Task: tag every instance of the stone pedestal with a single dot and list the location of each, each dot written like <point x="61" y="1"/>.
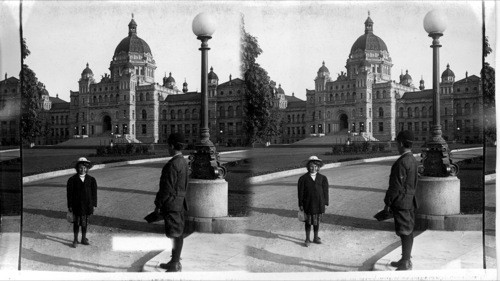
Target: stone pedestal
<point x="207" y="198"/>
<point x="438" y="196"/>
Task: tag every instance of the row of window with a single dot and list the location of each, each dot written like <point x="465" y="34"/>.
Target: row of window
<point x="296" y="131"/>
<point x="63" y="120"/>
<point x="417" y="112"/>
<point x="193" y="114"/>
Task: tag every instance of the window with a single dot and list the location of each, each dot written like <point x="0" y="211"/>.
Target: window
<point x="164" y="114"/>
<point x="380" y="126"/>
<point x="144" y="129"/>
<point x="172" y="115"/>
<point x="409" y="112"/>
<point x="381" y="112"/>
<point x="401" y="112"/>
<point x="230" y="111"/>
<point x="424" y="112"/>
<point x="417" y="112"/>
<point x="410" y="126"/>
<point x="144" y="114"/>
<point x="179" y="114"/>
<point x="417" y="126"/>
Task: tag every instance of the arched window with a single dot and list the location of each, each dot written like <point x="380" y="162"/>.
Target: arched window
<point x="238" y="111"/>
<point x="331" y="97"/>
<point x="342" y="96"/>
<point x="467" y="109"/>
<point x="378" y="95"/>
<point x="144" y="114"/>
<point x="95" y="99"/>
<point x="401" y="112"/>
<point x="230" y="111"/>
<point x="221" y="111"/>
<point x="424" y="111"/>
<point x="187" y="116"/>
<point x="475" y="108"/>
<point x="336" y="96"/>
<point x="195" y="114"/>
<point x="417" y="112"/>
<point x="289" y="119"/>
<point x="384" y="94"/>
<point x="409" y="113"/>
<point x="354" y="95"/>
<point x="164" y="114"/>
<point x="100" y="99"/>
<point x="172" y="114"/>
<point x="381" y="112"/>
<point x="179" y="114"/>
<point x="303" y="117"/>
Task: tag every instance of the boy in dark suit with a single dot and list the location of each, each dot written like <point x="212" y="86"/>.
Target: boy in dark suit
<point x="400" y="197"/>
<point x="82" y="198"/>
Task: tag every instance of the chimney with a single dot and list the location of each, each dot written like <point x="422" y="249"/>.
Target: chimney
<point x="230" y="77"/>
<point x="57" y="95"/>
<point x="466" y="75"/>
<point x="5" y="75"/>
<point x="293" y="94"/>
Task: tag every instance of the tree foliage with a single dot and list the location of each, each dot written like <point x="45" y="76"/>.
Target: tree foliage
<point x="260" y="121"/>
<point x="32" y="120"/>
<point x="488" y="79"/>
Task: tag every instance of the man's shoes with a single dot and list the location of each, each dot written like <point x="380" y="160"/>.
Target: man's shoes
<point x="317" y="240"/>
<point x="85" y="241"/>
<point x="174" y="266"/>
<point x="405" y="265"/>
<point x="74" y="244"/>
<point x="396" y="263"/>
<point x="307" y="243"/>
<point x="166" y="265"/>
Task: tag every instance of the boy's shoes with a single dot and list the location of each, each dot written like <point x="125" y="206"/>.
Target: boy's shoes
<point x="174" y="266"/>
<point x="317" y="240"/>
<point x="405" y="265"/>
<point x="307" y="243"/>
<point x="85" y="241"/>
<point x="396" y="263"/>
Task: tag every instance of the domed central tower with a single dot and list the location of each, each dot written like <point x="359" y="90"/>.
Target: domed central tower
<point x="369" y="53"/>
<point x="133" y="51"/>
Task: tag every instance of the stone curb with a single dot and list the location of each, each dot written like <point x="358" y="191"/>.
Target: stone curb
<point x="54" y="174"/>
<point x="490" y="177"/>
<point x="65" y="172"/>
<point x="282" y="174"/>
<point x="466" y="222"/>
<point x="10" y="150"/>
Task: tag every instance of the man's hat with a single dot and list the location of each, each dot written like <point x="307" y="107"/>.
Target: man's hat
<point x="405" y="136"/>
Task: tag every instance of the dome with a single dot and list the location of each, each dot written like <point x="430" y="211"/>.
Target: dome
<point x="323" y="68"/>
<point x="170" y="79"/>
<point x="280" y="90"/>
<point x="369" y="41"/>
<point x="447" y="72"/>
<point x="407" y="76"/>
<point x="212" y="75"/>
<point x="132" y="43"/>
<point x="87" y="70"/>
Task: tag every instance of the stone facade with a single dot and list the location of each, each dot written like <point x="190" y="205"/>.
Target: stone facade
<point x="365" y="100"/>
<point x="10" y="110"/>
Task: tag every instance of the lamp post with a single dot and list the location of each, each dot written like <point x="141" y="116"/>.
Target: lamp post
<point x="205" y="163"/>
<point x="436" y="154"/>
<point x="438" y="188"/>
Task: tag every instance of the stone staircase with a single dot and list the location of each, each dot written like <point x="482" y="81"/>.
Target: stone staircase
<point x="335" y="138"/>
<point x="99" y="140"/>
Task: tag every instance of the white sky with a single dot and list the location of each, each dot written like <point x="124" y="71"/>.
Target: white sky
<point x="296" y="37"/>
<point x="64" y="35"/>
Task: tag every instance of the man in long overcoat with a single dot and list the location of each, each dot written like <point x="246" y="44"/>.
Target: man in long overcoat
<point x="171" y="201"/>
<point x="81" y="198"/>
<point x="400" y="197"/>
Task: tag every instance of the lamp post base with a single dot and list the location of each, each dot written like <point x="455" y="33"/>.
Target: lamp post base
<point x="205" y="162"/>
<point x="438" y="195"/>
<point x="436" y="159"/>
<point x="207" y="198"/>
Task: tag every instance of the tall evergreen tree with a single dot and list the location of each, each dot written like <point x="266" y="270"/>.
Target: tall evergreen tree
<point x="488" y="79"/>
<point x="31" y="92"/>
<point x="260" y="122"/>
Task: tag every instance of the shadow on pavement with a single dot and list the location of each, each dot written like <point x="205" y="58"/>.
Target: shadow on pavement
<point x="358" y="188"/>
<point x="36" y="235"/>
<point x="58" y="261"/>
<point x="270" y="235"/>
<point x="334" y="219"/>
<point x="138" y="264"/>
<point x="103" y="221"/>
<point x="370" y="263"/>
<point x="265" y="255"/>
<point x="101" y="188"/>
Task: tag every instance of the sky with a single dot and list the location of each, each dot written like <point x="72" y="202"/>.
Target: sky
<point x="296" y="37"/>
<point x="64" y="35"/>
